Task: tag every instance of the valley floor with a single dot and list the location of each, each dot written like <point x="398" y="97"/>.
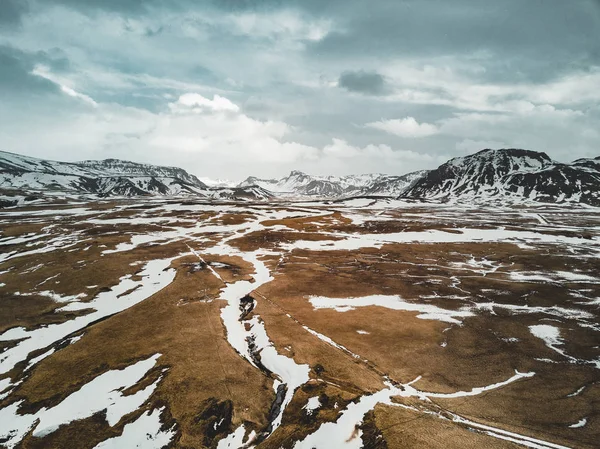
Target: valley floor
<point x="364" y="323"/>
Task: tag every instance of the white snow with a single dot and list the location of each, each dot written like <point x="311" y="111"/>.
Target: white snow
<point x="54" y="296"/>
<point x="577" y="392"/>
<point x="344" y="433"/>
<point x="582" y="422"/>
<point x="4" y="384"/>
<point x="312" y="405"/>
<point x="556" y="276"/>
<point x="143" y="433"/>
<point x="557" y="311"/>
<point x="290" y="373"/>
<point x="154" y="277"/>
<point x="458" y="235"/>
<point x="550" y="335"/>
<point x="39" y="358"/>
<point x="478" y="390"/>
<point x="329" y="341"/>
<point x="426" y="311"/>
<point x="104" y="392"/>
<point x="235" y="440"/>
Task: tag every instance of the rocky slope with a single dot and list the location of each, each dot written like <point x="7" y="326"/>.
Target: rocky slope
<point x="510" y="175"/>
<point x="393" y="185"/>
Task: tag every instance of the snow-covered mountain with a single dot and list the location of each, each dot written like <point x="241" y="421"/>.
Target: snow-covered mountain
<point x="510" y="175"/>
<point x="248" y="193"/>
<point x="506" y="175"/>
<point x="298" y="183"/>
<point x="210" y="182"/>
<point x="388" y="185"/>
<point x="24" y="177"/>
<point x="108" y="177"/>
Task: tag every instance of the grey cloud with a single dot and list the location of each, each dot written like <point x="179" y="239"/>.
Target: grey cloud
<point x="11" y="12"/>
<point x="122" y="6"/>
<point x="15" y="73"/>
<point x="536" y="37"/>
<point x="245" y="5"/>
<point x="54" y="58"/>
<point x="154" y="32"/>
<point x="370" y="83"/>
<point x="143" y="54"/>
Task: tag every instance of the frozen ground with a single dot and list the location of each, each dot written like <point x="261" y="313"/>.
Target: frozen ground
<point x="339" y="315"/>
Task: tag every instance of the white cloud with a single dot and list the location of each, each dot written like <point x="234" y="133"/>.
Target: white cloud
<point x="339" y="148"/>
<point x="406" y="127"/>
<point x="449" y="82"/>
<point x="218" y="130"/>
<point x="469" y="146"/>
<point x="196" y="103"/>
<point x="562" y="133"/>
<point x="193" y="131"/>
<point x="43" y="72"/>
<point x="288" y="24"/>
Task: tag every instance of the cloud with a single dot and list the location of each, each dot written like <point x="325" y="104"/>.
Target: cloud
<point x="340" y="157"/>
<point x="468" y="74"/>
<point x="200" y="133"/>
<point x="369" y="83"/>
<point x="277" y="24"/>
<point x="196" y="103"/>
<point x="43" y="72"/>
<point x="564" y="134"/>
<point x="514" y="32"/>
<point x="406" y="127"/>
<point x="16" y="78"/>
<point x="11" y="12"/>
<point x="339" y="148"/>
<point x="118" y="6"/>
<point x="469" y="146"/>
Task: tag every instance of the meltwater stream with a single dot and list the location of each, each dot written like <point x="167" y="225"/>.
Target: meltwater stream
<point x="250" y="339"/>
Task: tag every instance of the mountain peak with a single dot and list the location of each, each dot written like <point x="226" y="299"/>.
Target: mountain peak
<point x="109" y="177"/>
<point x="513" y="152"/>
<point x="510" y="173"/>
<point x="297" y="173"/>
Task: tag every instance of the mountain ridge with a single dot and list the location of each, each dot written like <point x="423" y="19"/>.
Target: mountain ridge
<point x="501" y="175"/>
<point x="510" y="174"/>
<point x="106" y="178"/>
<point x="300" y="183"/>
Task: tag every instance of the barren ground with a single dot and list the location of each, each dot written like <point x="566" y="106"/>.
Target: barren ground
<point x="363" y="323"/>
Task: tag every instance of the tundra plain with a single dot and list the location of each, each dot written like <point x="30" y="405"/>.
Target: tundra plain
<point x="361" y="323"/>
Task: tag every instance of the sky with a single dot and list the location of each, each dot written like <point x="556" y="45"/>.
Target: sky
<point x="232" y="88"/>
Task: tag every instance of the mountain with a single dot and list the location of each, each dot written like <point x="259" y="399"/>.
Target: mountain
<point x="28" y="179"/>
<point x="510" y="175"/>
<point x="505" y="175"/>
<point x="109" y="177"/>
<point x="217" y="182"/>
<point x="298" y="183"/>
<point x="240" y="193"/>
<point x="388" y="185"/>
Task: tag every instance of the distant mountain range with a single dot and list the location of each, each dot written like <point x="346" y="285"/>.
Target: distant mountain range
<point x="505" y="175"/>
<point x="23" y="176"/>
<point x="301" y="184"/>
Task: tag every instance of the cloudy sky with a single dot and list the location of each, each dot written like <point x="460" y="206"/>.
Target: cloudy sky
<point x="229" y="88"/>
